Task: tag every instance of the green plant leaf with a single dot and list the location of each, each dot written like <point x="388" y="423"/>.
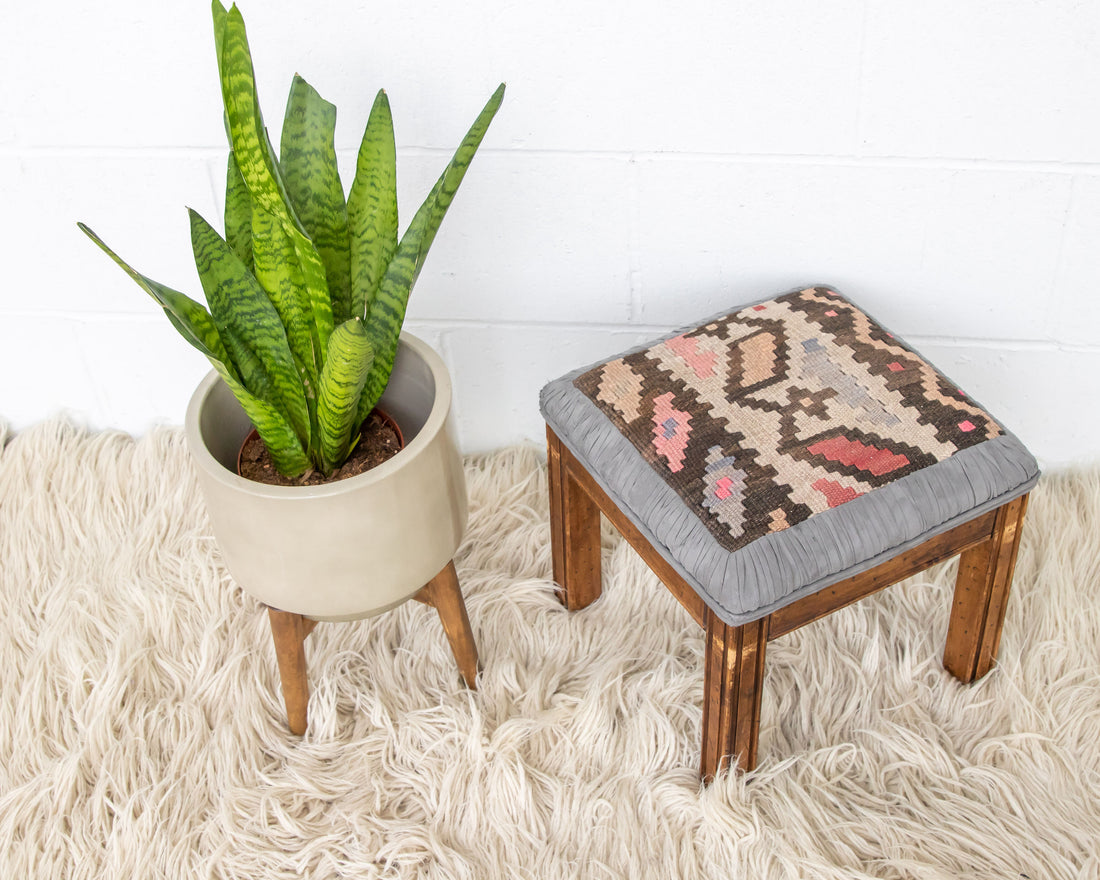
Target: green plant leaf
<point x="190" y="319"/>
<point x="238" y="303"/>
<point x="238" y="213"/>
<point x="247" y="134"/>
<point x="372" y="207"/>
<point x="350" y="355"/>
<point x="387" y="312"/>
<point x="308" y="163"/>
<point x="278" y="435"/>
<point x="219" y="15"/>
<point x="275" y="264"/>
<point x="249" y="367"/>
<point x="259" y="168"/>
<point x="196" y="326"/>
<point x="448" y="182"/>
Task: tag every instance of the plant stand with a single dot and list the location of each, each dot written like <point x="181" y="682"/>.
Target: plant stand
<point x="289" y="631"/>
<point x="301" y="550"/>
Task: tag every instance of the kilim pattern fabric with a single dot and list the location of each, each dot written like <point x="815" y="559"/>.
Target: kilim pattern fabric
<point x="770" y="415"/>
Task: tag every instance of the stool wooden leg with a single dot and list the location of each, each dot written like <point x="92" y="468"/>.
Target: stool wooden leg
<point x="574" y="530"/>
<point x="289" y="632"/>
<point x="981" y="595"/>
<point x="733" y="683"/>
<point x="444" y="593"/>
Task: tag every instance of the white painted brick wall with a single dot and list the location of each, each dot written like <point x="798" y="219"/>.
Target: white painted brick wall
<point x="653" y="163"/>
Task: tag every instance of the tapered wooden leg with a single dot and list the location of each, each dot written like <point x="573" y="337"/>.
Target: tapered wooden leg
<point x="289" y="631"/>
<point x="981" y="596"/>
<point x="574" y="531"/>
<point x="445" y="594"/>
<point x="733" y="683"/>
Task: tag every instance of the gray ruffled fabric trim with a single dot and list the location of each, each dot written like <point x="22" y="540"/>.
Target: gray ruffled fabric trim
<point x="775" y="570"/>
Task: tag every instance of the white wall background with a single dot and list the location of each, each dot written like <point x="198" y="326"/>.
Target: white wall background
<point x="653" y="163"/>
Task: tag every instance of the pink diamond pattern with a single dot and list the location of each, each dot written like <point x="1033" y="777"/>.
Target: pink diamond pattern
<point x="701" y="362"/>
<point x="671" y="430"/>
<point x="855" y="454"/>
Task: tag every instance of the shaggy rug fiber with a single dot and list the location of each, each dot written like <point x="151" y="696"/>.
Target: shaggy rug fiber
<point x="142" y="731"/>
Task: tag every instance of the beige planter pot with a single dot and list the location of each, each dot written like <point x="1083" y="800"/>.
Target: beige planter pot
<point x="349" y="549"/>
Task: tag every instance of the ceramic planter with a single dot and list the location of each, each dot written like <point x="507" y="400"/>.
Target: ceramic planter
<point x="347" y="549"/>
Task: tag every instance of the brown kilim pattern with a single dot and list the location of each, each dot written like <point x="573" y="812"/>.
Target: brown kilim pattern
<point x="783" y="410"/>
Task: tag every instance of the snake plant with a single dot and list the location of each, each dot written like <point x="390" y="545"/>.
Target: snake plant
<point x="306" y="291"/>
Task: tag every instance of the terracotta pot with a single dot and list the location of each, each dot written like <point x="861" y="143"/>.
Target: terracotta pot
<point x="352" y="548"/>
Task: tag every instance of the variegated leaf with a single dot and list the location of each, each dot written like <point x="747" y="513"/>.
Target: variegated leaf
<point x="238" y="213"/>
<point x="372" y="207"/>
<point x="387" y="311"/>
<point x="349" y="360"/>
<point x="198" y="328"/>
<point x="249" y="367"/>
<point x="190" y="319"/>
<point x="279" y="436"/>
<point x="238" y="302"/>
<point x="259" y="168"/>
<point x="275" y="264"/>
<point x="308" y="163"/>
<point x="448" y="183"/>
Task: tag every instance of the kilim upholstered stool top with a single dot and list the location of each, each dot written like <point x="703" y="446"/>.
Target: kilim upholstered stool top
<point x="777" y="463"/>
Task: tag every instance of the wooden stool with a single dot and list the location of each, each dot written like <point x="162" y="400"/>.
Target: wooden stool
<point x="289" y="631"/>
<point x="773" y="465"/>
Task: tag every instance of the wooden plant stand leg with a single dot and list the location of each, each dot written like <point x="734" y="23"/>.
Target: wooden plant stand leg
<point x="732" y="686"/>
<point x="289" y="630"/>
<point x="574" y="530"/>
<point x="981" y="595"/>
<point x="445" y="595"/>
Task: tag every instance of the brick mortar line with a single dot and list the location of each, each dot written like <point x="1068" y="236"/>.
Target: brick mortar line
<point x="1048" y="166"/>
<point x="443" y="324"/>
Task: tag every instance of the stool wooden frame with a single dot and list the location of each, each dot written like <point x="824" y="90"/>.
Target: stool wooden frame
<point x="734" y="659"/>
<point x="289" y="631"/>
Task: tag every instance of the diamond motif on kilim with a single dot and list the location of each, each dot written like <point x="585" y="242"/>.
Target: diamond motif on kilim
<point x="855" y="454"/>
<point x="702" y="362"/>
<point x="783" y="410"/>
<point x="621" y="388"/>
<point x="725" y="490"/>
<point x="671" y="430"/>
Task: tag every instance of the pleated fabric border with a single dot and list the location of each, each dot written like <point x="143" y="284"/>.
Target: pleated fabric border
<point x="775" y="570"/>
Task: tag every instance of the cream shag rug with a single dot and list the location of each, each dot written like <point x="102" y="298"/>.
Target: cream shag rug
<point x="142" y="731"/>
